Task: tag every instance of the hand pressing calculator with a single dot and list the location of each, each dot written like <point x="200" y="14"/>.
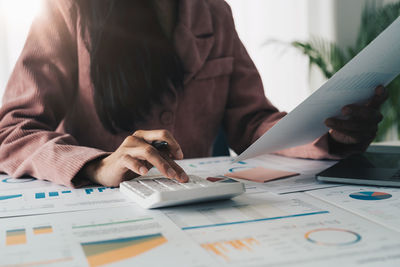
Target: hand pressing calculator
<point x="158" y="191"/>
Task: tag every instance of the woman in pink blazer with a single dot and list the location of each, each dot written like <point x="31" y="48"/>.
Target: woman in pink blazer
<point x="98" y="81"/>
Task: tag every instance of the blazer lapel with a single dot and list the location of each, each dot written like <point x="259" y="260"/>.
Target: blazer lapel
<point x="193" y="35"/>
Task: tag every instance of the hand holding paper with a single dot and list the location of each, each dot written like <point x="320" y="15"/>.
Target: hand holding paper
<point x="359" y="126"/>
<point x="377" y="64"/>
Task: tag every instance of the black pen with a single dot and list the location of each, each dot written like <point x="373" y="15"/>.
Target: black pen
<point x="160" y="145"/>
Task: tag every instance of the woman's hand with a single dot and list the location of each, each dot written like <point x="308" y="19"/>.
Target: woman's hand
<point x="135" y="157"/>
<point x="360" y="126"/>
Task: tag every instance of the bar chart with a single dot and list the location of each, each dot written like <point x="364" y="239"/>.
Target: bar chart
<point x="224" y="248"/>
<point x="15" y="237"/>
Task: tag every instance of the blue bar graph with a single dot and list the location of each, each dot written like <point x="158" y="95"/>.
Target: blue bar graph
<point x="98" y="189"/>
<point x="89" y="191"/>
<point x="53" y="194"/>
<point x="40" y="195"/>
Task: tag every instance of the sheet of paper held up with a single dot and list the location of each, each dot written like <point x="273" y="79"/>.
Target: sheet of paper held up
<point x="377" y="64"/>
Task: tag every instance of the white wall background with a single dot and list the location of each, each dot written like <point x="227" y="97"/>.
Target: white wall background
<point x="15" y="19"/>
<point x="284" y="71"/>
<point x="286" y="76"/>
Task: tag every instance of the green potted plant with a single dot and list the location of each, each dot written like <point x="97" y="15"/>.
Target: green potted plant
<point x="329" y="58"/>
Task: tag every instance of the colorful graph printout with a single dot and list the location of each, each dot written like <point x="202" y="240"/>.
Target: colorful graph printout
<point x="332" y="237"/>
<point x="109" y="251"/>
<point x="43" y="230"/>
<point x="15" y="237"/>
<point x="368" y="195"/>
<point x="223" y="248"/>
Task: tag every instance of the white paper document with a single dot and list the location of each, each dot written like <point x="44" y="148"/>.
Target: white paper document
<point x="377" y="64"/>
<point x="242" y="209"/>
<point x="379" y="204"/>
<point x="286" y="230"/>
<point x="56" y="198"/>
<point x="124" y="236"/>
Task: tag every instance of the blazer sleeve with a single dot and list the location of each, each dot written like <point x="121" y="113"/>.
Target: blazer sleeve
<point x="249" y="114"/>
<point x="41" y="88"/>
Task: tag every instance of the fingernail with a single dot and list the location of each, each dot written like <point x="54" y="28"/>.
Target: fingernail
<point x="184" y="177"/>
<point x="171" y="173"/>
<point x="179" y="154"/>
<point x="143" y="170"/>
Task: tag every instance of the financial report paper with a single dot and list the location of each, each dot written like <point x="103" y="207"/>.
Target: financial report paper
<point x="286" y="230"/>
<point x="96" y="226"/>
<point x="378" y="204"/>
<point x="123" y="236"/>
<point x="262" y="229"/>
<point x="55" y="198"/>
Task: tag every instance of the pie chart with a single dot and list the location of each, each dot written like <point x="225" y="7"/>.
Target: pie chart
<point x="17" y="181"/>
<point x="332" y="237"/>
<point x="370" y="195"/>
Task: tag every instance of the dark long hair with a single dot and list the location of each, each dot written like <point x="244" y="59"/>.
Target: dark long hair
<point x="133" y="62"/>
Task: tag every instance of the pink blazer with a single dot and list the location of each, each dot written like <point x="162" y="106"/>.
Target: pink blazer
<point x="48" y="125"/>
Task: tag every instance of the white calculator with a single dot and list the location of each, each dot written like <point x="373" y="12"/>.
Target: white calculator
<point x="159" y="191"/>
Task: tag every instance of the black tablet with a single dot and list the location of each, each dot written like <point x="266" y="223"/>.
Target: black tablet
<point x="381" y="169"/>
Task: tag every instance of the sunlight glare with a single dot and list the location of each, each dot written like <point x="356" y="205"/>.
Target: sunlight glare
<point x="20" y="11"/>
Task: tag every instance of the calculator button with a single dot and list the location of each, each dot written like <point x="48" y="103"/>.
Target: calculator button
<point x="199" y="181"/>
<point x="171" y="184"/>
<point x="140" y="189"/>
<point x="190" y="185"/>
<point x="150" y="183"/>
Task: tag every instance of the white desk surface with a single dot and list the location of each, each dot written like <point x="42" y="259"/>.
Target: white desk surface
<point x="290" y="222"/>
